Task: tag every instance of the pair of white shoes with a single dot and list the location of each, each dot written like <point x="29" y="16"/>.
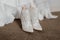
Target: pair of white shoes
<point x="30" y="28"/>
<point x="30" y="21"/>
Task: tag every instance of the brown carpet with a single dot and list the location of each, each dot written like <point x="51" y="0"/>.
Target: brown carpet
<point x="51" y="31"/>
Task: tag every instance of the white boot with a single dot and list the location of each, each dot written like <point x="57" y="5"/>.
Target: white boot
<point x="26" y="21"/>
<point x="35" y="19"/>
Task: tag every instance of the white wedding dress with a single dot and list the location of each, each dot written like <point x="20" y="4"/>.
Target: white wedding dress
<point x="6" y="10"/>
<point x="25" y="10"/>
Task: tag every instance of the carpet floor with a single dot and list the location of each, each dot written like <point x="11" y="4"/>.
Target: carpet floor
<point x="51" y="30"/>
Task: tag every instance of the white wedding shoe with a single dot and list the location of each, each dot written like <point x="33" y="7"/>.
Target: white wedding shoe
<point x="35" y="19"/>
<point x="26" y="21"/>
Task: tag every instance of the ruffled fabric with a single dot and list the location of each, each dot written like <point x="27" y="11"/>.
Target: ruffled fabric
<point x="6" y="12"/>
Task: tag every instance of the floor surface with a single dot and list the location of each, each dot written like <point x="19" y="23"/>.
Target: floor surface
<point x="51" y="31"/>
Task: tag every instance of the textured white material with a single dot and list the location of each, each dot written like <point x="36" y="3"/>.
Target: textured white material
<point x="26" y="10"/>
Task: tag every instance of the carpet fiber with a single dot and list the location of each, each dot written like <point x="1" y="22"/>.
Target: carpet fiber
<point x="51" y="31"/>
